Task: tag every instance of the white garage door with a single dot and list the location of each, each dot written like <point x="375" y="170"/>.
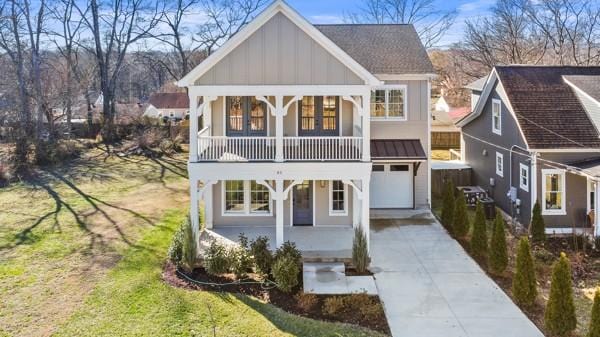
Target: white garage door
<point x="391" y="186"/>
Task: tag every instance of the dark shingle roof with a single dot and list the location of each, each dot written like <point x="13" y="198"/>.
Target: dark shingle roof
<point x="547" y="108"/>
<point x="381" y="48"/>
<point x="170" y="100"/>
<point x="397" y="149"/>
<point x="589" y="84"/>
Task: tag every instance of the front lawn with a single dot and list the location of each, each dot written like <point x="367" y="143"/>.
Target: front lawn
<point x="134" y="301"/>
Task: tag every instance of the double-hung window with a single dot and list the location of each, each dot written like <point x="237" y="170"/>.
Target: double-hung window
<point x="500" y="164"/>
<point x="553" y="192"/>
<point x="496" y="117"/>
<point x="524" y="177"/>
<point x="389" y="102"/>
<point x="242" y="197"/>
<point x="338" y="198"/>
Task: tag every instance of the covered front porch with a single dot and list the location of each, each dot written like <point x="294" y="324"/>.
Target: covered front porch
<point x="318" y="243"/>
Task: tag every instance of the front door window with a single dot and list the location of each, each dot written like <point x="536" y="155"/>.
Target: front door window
<point x="318" y="116"/>
<point x="246" y="116"/>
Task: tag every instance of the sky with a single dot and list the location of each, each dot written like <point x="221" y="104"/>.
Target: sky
<point x="332" y="11"/>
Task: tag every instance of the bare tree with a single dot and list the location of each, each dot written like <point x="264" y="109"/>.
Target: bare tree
<point x="189" y="43"/>
<point x="430" y="21"/>
<point x="11" y="43"/>
<point x="115" y="26"/>
<point x="508" y="36"/>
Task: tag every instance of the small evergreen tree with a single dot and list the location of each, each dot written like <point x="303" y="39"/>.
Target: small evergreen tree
<point x="448" y="204"/>
<point x="498" y="255"/>
<point x="538" y="227"/>
<point x="360" y="253"/>
<point x="479" y="240"/>
<point x="524" y="285"/>
<point x="460" y="224"/>
<point x="559" y="317"/>
<point x="594" y="330"/>
<point x="189" y="248"/>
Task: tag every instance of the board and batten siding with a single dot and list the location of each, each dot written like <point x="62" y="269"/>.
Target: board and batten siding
<point x="484" y="165"/>
<point x="279" y="53"/>
<point x="415" y="127"/>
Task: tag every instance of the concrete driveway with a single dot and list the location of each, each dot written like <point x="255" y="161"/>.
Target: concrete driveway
<point x="430" y="287"/>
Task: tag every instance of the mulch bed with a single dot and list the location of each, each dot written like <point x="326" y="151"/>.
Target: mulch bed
<point x="286" y="301"/>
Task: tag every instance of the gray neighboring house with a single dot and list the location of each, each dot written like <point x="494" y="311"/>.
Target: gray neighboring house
<point x="533" y="135"/>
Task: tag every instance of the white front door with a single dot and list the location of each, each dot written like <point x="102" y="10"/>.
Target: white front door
<point x="391" y="186"/>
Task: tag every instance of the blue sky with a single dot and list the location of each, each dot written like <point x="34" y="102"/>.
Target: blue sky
<point x="332" y="11"/>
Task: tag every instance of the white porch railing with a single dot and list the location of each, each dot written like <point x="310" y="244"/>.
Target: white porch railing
<point x="218" y="148"/>
<point x="322" y="148"/>
<point x="236" y="148"/>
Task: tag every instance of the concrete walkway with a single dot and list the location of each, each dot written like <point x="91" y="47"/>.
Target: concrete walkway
<point x="430" y="287"/>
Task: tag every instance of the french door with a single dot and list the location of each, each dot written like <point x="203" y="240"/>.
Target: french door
<point x="246" y="116"/>
<point x="318" y="116"/>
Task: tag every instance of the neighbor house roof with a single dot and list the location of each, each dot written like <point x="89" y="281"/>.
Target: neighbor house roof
<point x="170" y="100"/>
<point x="477" y="85"/>
<point x="381" y="48"/>
<point x="397" y="149"/>
<point x="589" y="84"/>
<point x="547" y="108"/>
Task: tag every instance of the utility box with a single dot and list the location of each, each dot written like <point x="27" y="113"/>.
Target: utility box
<point x="489" y="207"/>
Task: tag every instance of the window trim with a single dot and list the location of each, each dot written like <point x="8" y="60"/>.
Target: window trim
<point x="500" y="172"/>
<point x="562" y="210"/>
<point x="498" y="130"/>
<point x="247" y="198"/>
<point x="331" y="211"/>
<point x="521" y="185"/>
<point x="387" y="89"/>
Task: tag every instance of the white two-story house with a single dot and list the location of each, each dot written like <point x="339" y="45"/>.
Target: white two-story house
<point x="295" y="124"/>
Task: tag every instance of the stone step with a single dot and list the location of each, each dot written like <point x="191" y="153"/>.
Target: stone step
<point x="336" y="267"/>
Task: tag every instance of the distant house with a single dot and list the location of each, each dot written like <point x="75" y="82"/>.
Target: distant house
<point x="444" y="132"/>
<point x="534" y="136"/>
<point x="172" y="105"/>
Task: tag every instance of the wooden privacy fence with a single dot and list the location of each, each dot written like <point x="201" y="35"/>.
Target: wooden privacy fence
<point x="460" y="177"/>
<point x="445" y="140"/>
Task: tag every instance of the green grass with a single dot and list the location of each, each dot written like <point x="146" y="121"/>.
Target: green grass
<point x="71" y="256"/>
<point x="134" y="301"/>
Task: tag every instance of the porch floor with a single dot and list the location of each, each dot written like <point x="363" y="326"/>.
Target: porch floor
<point x="318" y="243"/>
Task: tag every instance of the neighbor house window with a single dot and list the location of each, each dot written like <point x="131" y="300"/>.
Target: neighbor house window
<point x="242" y="197"/>
<point x="524" y="177"/>
<point x="500" y="164"/>
<point x="389" y="102"/>
<point x="496" y="117"/>
<point x="553" y="192"/>
<point x="337" y="198"/>
<point x="234" y="196"/>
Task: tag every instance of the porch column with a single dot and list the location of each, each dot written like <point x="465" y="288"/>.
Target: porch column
<point x="279" y="214"/>
<point x="207" y="197"/>
<point x="279" y="113"/>
<point x="597" y="209"/>
<point x="194" y="215"/>
<point x="365" y="211"/>
<point x="366" y="126"/>
<point x="193" y="156"/>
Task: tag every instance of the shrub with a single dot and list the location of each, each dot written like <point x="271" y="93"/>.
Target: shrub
<point x="306" y="302"/>
<point x="52" y="152"/>
<point x="168" y="146"/>
<point x="285" y="272"/>
<point x="263" y="258"/>
<point x="334" y="305"/>
<point x="149" y="138"/>
<point x="6" y="173"/>
<point x="365" y="304"/>
<point x="559" y="318"/>
<point x="479" y="241"/>
<point x="189" y="250"/>
<point x="216" y="259"/>
<point x="537" y="227"/>
<point x="175" y="252"/>
<point x="524" y="284"/>
<point x="448" y="204"/>
<point x="594" y="329"/>
<point x="498" y="259"/>
<point x="288" y="249"/>
<point x="240" y="258"/>
<point x="460" y="222"/>
<point x="360" y="253"/>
